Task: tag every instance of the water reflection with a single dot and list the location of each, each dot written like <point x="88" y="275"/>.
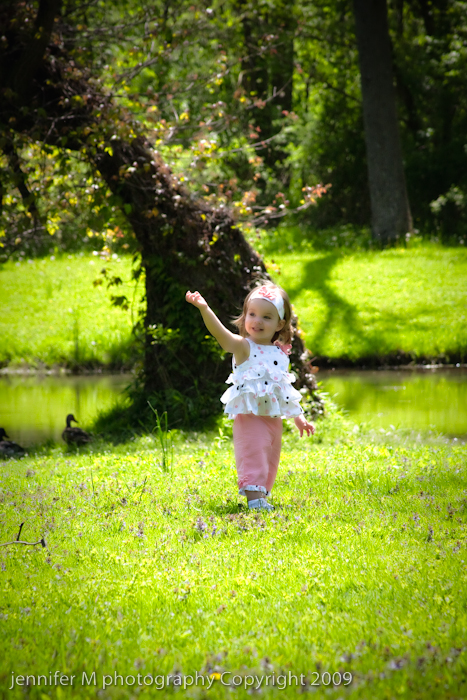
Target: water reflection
<point x="416" y="400"/>
<point x="34" y="408"/>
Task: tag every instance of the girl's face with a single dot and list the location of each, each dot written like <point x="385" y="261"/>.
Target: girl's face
<point x="262" y="321"/>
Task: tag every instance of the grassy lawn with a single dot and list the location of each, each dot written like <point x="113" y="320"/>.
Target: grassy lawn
<point x="369" y="304"/>
<point x="52" y="313"/>
<point x="352" y="305"/>
<point x="360" y="572"/>
<point x="356" y="586"/>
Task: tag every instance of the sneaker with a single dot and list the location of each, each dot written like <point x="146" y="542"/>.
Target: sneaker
<point x="260" y="504"/>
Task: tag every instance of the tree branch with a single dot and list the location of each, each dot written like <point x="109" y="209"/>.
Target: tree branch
<point x="19" y="532"/>
<point x="32" y="55"/>
<point x="32" y="544"/>
<point x="18" y="541"/>
<point x="20" y="182"/>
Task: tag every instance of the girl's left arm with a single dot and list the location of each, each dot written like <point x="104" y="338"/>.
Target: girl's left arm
<point x="302" y="424"/>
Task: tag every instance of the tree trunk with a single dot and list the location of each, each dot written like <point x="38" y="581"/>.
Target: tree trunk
<point x="391" y="218"/>
<point x="184" y="243"/>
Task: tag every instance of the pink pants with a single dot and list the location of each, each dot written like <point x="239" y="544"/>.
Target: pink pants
<point x="257" y="445"/>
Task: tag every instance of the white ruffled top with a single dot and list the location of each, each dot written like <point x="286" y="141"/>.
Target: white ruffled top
<point x="262" y="385"/>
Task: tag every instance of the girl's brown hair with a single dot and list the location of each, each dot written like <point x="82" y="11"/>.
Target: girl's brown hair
<point x="284" y="335"/>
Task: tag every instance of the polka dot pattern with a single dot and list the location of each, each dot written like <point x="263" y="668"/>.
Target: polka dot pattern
<point x="262" y="385"/>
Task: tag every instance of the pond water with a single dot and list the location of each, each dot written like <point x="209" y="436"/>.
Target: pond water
<point x="33" y="408"/>
<point x="416" y="400"/>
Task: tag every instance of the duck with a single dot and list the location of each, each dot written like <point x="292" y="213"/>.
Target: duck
<point x="75" y="436"/>
<point x="8" y="448"/>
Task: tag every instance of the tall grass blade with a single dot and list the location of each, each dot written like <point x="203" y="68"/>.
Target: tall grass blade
<point x="165" y="439"/>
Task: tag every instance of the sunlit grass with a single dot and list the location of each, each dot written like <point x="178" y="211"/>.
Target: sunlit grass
<point x="354" y="305"/>
<point x="370" y="304"/>
<point x="53" y="314"/>
<point x="361" y="569"/>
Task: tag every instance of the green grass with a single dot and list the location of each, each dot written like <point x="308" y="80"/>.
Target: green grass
<point x="53" y="315"/>
<point x="352" y="305"/>
<point x="360" y="305"/>
<point x="160" y="573"/>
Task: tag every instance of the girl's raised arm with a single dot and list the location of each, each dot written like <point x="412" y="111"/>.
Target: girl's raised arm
<point x="227" y="340"/>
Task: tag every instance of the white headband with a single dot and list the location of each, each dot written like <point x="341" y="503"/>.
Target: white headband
<point x="272" y="295"/>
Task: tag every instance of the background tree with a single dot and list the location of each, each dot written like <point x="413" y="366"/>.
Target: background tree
<point x="184" y="73"/>
<point x="268" y="72"/>
<point x="429" y="62"/>
<point x="183" y="241"/>
<point x="391" y="218"/>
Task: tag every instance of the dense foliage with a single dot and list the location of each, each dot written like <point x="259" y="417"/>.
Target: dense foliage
<point x="249" y="103"/>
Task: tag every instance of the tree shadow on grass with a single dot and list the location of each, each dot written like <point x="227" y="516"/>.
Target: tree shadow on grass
<point x="340" y="313"/>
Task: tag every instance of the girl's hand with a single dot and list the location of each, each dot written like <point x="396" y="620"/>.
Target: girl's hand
<point x="196" y="299"/>
<point x="302" y="424"/>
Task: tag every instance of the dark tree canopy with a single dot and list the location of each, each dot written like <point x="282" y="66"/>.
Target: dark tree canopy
<point x="252" y="102"/>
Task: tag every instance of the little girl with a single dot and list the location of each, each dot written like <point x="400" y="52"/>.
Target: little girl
<point x="261" y="393"/>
